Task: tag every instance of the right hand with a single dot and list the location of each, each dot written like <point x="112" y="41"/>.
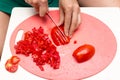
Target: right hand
<point x="41" y="6"/>
<point x="69" y="15"/>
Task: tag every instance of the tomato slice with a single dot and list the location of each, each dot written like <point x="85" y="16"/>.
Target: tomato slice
<point x="84" y="53"/>
<point x="59" y="38"/>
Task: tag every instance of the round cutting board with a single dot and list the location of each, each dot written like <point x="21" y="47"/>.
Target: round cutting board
<point x="91" y="31"/>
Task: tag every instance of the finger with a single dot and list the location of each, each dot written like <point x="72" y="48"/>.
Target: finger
<point x="43" y="9"/>
<point x="36" y="8"/>
<point x="27" y="1"/>
<point x="75" y="20"/>
<point x="61" y="20"/>
<point x="33" y="4"/>
<point x="79" y="19"/>
<point x="68" y="16"/>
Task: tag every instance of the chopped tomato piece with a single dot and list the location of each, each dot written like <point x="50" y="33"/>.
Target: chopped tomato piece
<point x="75" y="42"/>
<point x="38" y="44"/>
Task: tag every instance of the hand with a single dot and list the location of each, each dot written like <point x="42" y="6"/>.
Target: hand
<point x="69" y="15"/>
<point x="40" y="6"/>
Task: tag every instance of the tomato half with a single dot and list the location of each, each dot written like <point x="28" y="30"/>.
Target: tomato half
<point x="84" y="53"/>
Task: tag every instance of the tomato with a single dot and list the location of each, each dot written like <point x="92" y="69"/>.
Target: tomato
<point x="75" y="42"/>
<point x="84" y="53"/>
<point x="58" y="37"/>
<point x="11" y="64"/>
<point x="11" y="67"/>
<point x="15" y="60"/>
<point x="37" y="44"/>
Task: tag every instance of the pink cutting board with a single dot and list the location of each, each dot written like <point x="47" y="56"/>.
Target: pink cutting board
<point x="91" y="31"/>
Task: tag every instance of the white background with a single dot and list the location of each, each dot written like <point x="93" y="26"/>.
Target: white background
<point x="110" y="16"/>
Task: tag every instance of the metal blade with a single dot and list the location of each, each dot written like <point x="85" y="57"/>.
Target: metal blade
<point x="52" y="19"/>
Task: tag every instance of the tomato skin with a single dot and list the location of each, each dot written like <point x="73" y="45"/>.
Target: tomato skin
<point x="84" y="53"/>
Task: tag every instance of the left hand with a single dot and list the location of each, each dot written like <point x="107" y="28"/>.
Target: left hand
<point x="41" y="6"/>
<point x="69" y="15"/>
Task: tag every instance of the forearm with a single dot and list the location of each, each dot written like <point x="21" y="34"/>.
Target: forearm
<point x="4" y="20"/>
<point x="99" y="3"/>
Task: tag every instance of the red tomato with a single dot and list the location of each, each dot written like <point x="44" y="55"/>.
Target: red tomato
<point x="15" y="60"/>
<point x="84" y="53"/>
<point x="12" y="64"/>
<point x="11" y="67"/>
<point x="58" y="38"/>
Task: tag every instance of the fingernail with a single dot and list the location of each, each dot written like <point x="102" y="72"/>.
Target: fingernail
<point x="41" y="15"/>
<point x="70" y="36"/>
<point x="66" y="33"/>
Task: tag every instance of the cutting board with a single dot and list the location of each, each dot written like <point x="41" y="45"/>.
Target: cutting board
<point x="91" y="31"/>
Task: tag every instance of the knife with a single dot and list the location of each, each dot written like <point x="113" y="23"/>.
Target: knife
<point x="54" y="22"/>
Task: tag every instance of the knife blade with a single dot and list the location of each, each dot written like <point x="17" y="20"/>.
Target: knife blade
<point x="61" y="32"/>
<point x="54" y="22"/>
